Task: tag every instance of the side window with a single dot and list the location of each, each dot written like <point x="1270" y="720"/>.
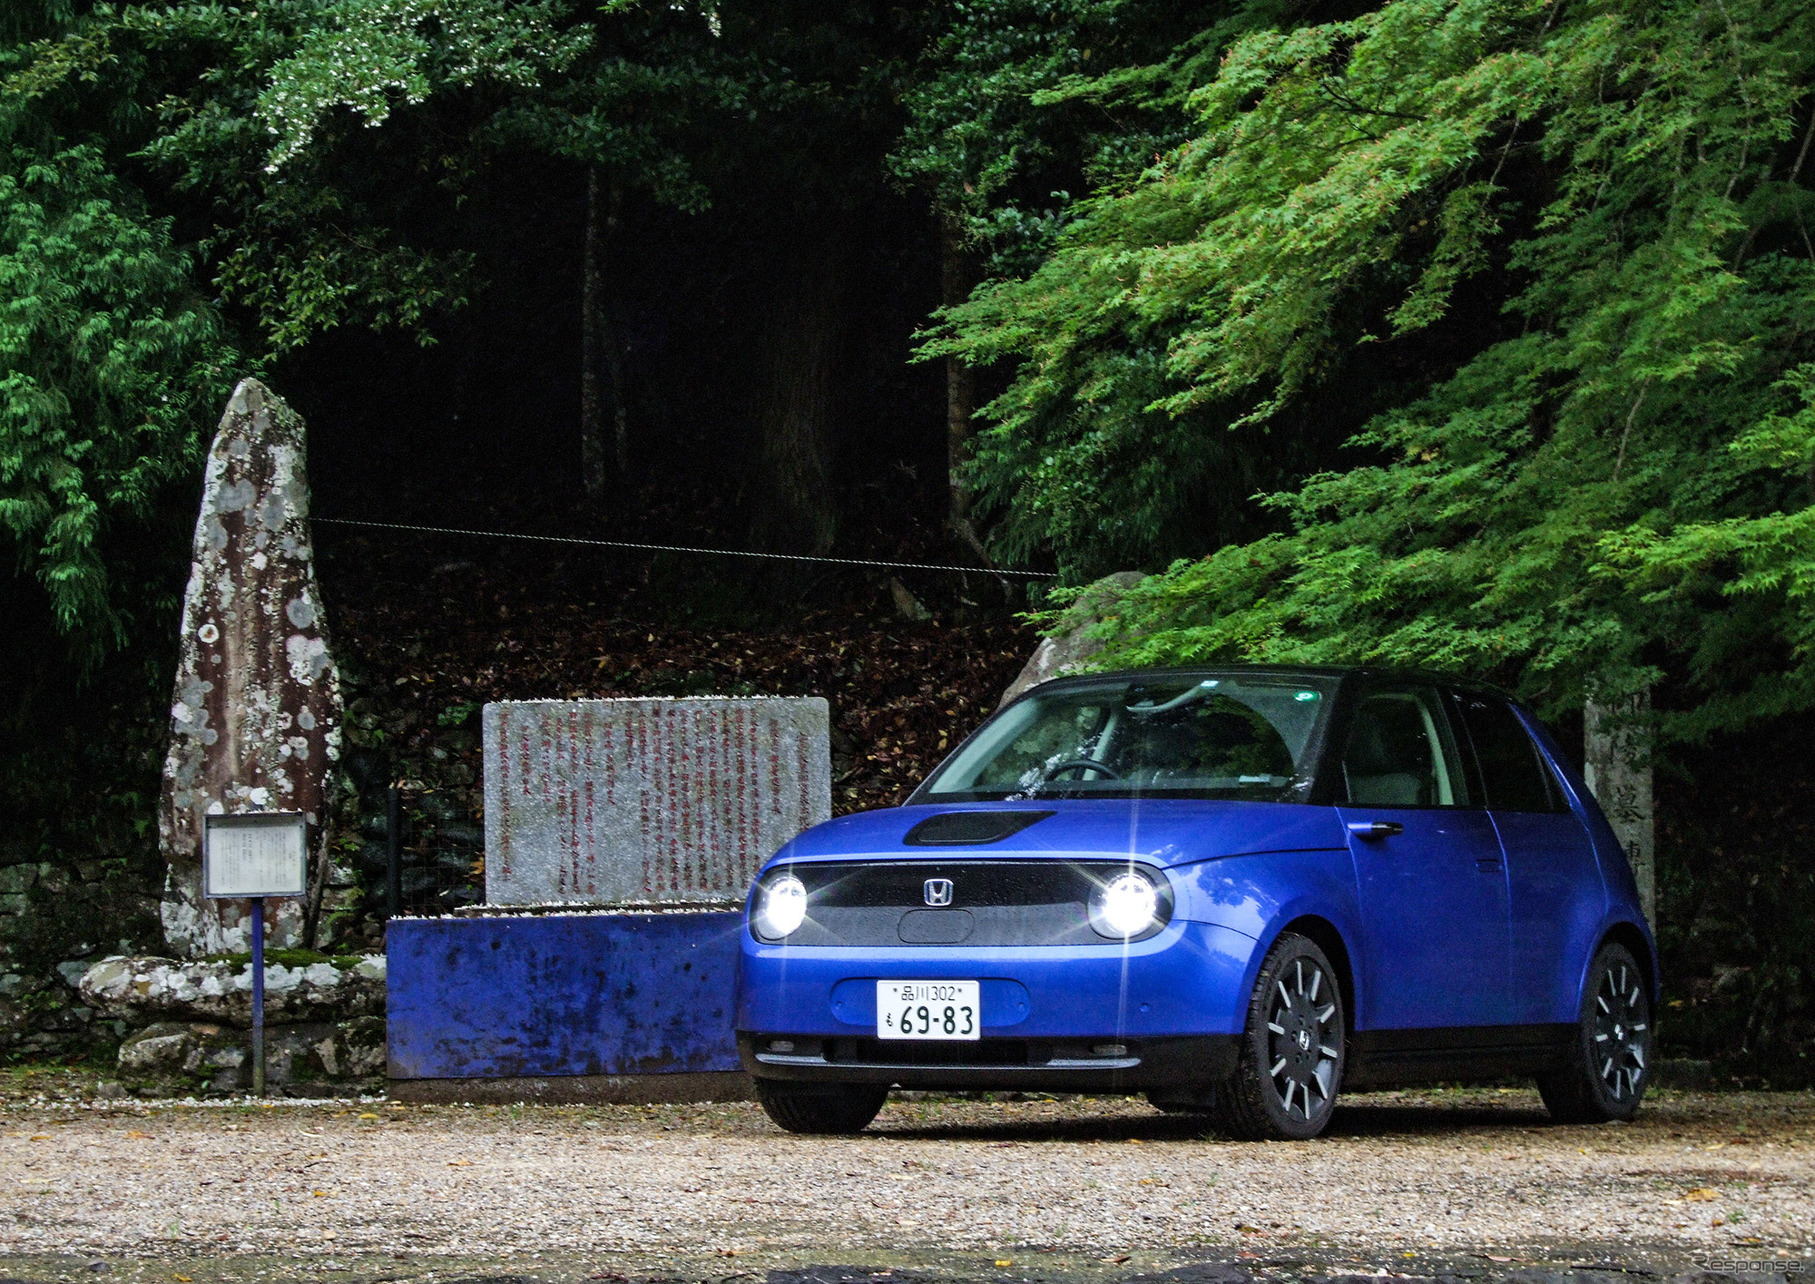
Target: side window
<point x="1512" y="774"/>
<point x="1399" y="753"/>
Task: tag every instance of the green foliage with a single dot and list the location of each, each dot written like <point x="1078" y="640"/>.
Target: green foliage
<point x="1599" y="477"/>
<point x="651" y="105"/>
<point x="276" y="130"/>
<point x="368" y="53"/>
<point x="109" y="362"/>
<point x="1015" y="98"/>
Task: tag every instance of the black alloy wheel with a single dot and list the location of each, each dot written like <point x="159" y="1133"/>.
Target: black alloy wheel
<point x="828" y="1109"/>
<point x="1293" y="1050"/>
<point x="1610" y="1057"/>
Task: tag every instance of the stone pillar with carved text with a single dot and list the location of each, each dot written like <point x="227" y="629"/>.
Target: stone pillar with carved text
<point x="255" y="717"/>
<point x="1616" y="765"/>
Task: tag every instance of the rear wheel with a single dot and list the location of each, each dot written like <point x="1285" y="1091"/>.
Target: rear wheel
<point x="1610" y="1055"/>
<point x="1292" y="1052"/>
<point x="836" y="1108"/>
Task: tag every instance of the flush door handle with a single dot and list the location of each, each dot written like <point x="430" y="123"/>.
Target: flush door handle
<point x="1371" y="829"/>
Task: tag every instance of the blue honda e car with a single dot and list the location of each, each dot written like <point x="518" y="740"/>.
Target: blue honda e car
<point x="1240" y="890"/>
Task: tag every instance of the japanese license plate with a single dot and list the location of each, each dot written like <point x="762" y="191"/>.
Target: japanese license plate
<point x="928" y="1009"/>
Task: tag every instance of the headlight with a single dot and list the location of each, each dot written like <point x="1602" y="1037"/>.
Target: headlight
<point x="1124" y="906"/>
<point x="781" y="907"/>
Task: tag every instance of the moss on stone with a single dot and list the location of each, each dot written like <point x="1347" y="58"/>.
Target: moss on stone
<point x="289" y="958"/>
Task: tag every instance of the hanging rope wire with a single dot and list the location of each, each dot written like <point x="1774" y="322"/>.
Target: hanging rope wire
<point x="681" y="548"/>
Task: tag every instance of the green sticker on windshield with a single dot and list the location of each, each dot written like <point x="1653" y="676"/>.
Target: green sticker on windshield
<point x="1306" y="695"/>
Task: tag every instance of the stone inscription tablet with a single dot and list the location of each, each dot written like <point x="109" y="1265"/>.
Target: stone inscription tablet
<point x="641" y="802"/>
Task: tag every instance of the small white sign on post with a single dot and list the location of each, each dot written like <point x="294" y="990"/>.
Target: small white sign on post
<point x="253" y="855"/>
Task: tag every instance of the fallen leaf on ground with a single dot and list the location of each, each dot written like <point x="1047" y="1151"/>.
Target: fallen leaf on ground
<point x="1700" y="1195"/>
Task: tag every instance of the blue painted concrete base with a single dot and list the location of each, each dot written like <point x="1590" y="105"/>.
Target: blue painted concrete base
<point x="534" y="997"/>
<point x="578" y="1089"/>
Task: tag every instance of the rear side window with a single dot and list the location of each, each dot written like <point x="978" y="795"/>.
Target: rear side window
<point x="1512" y="774"/>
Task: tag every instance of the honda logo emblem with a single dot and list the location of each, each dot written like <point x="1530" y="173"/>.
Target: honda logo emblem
<point x="938" y="891"/>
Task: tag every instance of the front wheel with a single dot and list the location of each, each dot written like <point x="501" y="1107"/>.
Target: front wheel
<point x="827" y="1109"/>
<point x="1610" y="1054"/>
<point x="1292" y="1052"/>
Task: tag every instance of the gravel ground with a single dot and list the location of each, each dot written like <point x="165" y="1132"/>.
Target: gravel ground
<point x="1402" y="1179"/>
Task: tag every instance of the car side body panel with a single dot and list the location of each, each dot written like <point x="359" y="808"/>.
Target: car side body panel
<point x="1619" y="908"/>
<point x="1258" y="895"/>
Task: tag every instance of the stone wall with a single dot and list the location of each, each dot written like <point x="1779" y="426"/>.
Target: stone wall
<point x="190" y="1022"/>
<point x="55" y="922"/>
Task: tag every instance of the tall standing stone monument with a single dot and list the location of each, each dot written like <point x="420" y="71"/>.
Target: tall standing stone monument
<point x="1616" y="766"/>
<point x="255" y="720"/>
<point x="647" y="802"/>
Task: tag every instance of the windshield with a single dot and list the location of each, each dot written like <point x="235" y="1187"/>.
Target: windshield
<point x="1196" y="736"/>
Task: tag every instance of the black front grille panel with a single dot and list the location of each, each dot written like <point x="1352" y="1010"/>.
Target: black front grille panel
<point x="912" y="1052"/>
<point x="1042" y="902"/>
<point x="975" y="884"/>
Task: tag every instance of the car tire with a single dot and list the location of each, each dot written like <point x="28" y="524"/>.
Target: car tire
<point x="1292" y="1051"/>
<point x="825" y="1109"/>
<point x="1608" y="1066"/>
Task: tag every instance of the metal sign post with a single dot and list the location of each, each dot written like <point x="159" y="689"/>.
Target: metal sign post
<point x="253" y="857"/>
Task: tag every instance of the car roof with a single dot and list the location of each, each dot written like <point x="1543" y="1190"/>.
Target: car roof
<point x="1389" y="673"/>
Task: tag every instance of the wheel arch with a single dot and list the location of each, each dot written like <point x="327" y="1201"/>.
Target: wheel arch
<point x="1634" y="938"/>
<point x="1328" y="939"/>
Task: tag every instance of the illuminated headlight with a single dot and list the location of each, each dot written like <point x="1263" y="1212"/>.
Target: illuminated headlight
<point x="781" y="907"/>
<point x="1125" y="906"/>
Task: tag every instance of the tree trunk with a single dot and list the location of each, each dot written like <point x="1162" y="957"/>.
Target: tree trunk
<point x="960" y="380"/>
<point x="794" y="509"/>
<point x="1617" y="766"/>
<point x="604" y="428"/>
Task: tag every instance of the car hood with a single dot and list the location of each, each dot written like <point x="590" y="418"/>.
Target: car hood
<point x="1162" y="832"/>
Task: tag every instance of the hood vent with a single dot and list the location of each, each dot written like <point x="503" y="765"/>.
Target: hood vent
<point x="970" y="828"/>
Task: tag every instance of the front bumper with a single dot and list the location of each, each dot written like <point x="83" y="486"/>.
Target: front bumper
<point x="1174" y="1004"/>
<point x="1191" y="1063"/>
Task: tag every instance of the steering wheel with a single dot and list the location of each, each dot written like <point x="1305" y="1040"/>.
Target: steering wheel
<point x="1081" y="764"/>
